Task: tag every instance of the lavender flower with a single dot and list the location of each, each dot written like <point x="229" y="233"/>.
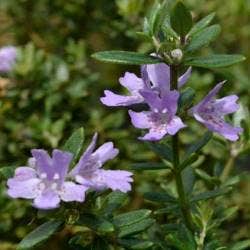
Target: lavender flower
<point x="211" y="112"/>
<point x="161" y="119"/>
<point x="7" y="58"/>
<point x="45" y="183"/>
<point x="88" y="171"/>
<point x="155" y="77"/>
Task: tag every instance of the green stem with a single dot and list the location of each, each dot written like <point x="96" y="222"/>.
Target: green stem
<point x="183" y="201"/>
<point x="228" y="168"/>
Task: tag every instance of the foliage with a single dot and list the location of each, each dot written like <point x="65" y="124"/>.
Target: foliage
<point x="55" y="89"/>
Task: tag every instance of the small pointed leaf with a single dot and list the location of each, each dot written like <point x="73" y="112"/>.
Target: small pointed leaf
<point x="214" y="61"/>
<point x="74" y="143"/>
<point x="203" y="23"/>
<point x="40" y="234"/>
<point x="125" y="57"/>
<point x="181" y="19"/>
<point x="203" y="38"/>
<point x="135" y="228"/>
<point x="129" y="218"/>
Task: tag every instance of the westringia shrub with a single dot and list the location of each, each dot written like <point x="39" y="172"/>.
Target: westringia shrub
<point x="70" y="189"/>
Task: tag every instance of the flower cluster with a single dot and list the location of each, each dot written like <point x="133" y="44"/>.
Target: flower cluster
<point x="153" y="89"/>
<point x="7" y="58"/>
<point x="47" y="180"/>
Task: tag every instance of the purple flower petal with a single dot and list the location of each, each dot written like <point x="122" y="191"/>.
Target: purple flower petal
<point x="24" y="173"/>
<point x="225" y="129"/>
<point x="85" y="157"/>
<point x="170" y="102"/>
<point x="211" y="113"/>
<point x="159" y="75"/>
<point x="117" y="180"/>
<point x="154" y="135"/>
<point x="227" y="105"/>
<point x="106" y="152"/>
<point x="27" y="189"/>
<point x="184" y="78"/>
<point x="140" y="119"/>
<point x="7" y="58"/>
<point x="131" y="82"/>
<point x="43" y="162"/>
<point x="73" y="192"/>
<point x="175" y="125"/>
<point x="47" y="200"/>
<point x="211" y="94"/>
<point x="111" y="99"/>
<point x="61" y="161"/>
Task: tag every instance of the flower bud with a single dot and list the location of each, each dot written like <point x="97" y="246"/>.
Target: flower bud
<point x="177" y="55"/>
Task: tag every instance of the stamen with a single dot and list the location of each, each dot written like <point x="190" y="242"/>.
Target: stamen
<point x="43" y="176"/>
<point x="56" y="176"/>
<point x="164" y="111"/>
<point x="156" y="110"/>
<point x="41" y="186"/>
<point x="54" y="186"/>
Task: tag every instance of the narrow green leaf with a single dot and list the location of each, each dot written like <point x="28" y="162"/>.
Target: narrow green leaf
<point x="96" y="223"/>
<point x="203" y="38"/>
<point x="159" y="197"/>
<point x="186" y="98"/>
<point x="125" y="57"/>
<point x="245" y="244"/>
<point x="148" y="166"/>
<point x="206" y="177"/>
<point x="135" y="243"/>
<point x="162" y="150"/>
<point x="169" y="32"/>
<point x="198" y="145"/>
<point x="40" y="234"/>
<point x="214" y="61"/>
<point x="74" y="143"/>
<point x="6" y="172"/>
<point x="129" y="218"/>
<point x="209" y="194"/>
<point x="203" y="23"/>
<point x="181" y="19"/>
<point x="113" y="201"/>
<point x="189" y="161"/>
<point x="135" y="228"/>
<point x="188" y="179"/>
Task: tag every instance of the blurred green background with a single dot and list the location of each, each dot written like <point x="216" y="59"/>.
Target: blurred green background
<point x="55" y="88"/>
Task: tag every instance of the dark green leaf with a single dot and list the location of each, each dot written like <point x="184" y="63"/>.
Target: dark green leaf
<point x="113" y="201"/>
<point x="214" y="61"/>
<point x="74" y="143"/>
<point x="209" y="194"/>
<point x="40" y="234"/>
<point x="135" y="243"/>
<point x="181" y="19"/>
<point x="186" y="98"/>
<point x="198" y="145"/>
<point x="159" y="197"/>
<point x="189" y="161"/>
<point x="207" y="178"/>
<point x="95" y="223"/>
<point x="188" y="179"/>
<point x="169" y="32"/>
<point x="135" y="228"/>
<point x="6" y="172"/>
<point x="203" y="38"/>
<point x="203" y="23"/>
<point x="125" y="57"/>
<point x="162" y="150"/>
<point x="129" y="218"/>
<point x="148" y="166"/>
